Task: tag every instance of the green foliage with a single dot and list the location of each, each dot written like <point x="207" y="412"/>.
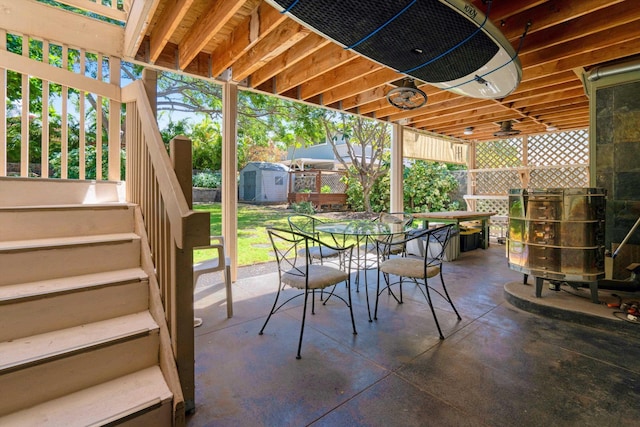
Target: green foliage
<point x="207" y="180"/>
<point x="303" y="207"/>
<point x="379" y="197"/>
<point x="325" y="189"/>
<point x="427" y="188"/>
<point x="207" y="145"/>
<point x="90" y="172"/>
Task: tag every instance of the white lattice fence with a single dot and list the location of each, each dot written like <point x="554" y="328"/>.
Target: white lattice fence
<point x="335" y="182"/>
<point x="555" y="149"/>
<point x="496" y="181"/>
<point x="562" y="177"/>
<point x="308" y="181"/>
<point x="503" y="153"/>
<point x="556" y="160"/>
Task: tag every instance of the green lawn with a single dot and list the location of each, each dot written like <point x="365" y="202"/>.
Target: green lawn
<point x="253" y="241"/>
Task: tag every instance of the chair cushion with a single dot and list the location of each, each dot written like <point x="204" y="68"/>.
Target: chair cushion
<point x="314" y="252"/>
<point x="320" y="276"/>
<point x="408" y="267"/>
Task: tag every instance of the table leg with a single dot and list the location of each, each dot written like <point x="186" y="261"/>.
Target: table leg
<point x="485" y="233"/>
<point x="361" y="264"/>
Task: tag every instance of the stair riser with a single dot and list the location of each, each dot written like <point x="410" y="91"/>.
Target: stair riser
<point x="40" y="383"/>
<point x="24" y="224"/>
<point x="49" y="313"/>
<point x="40" y="192"/>
<point x="160" y="416"/>
<point x="52" y="263"/>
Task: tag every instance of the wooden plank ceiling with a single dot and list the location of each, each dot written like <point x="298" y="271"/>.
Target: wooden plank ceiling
<point x="248" y="41"/>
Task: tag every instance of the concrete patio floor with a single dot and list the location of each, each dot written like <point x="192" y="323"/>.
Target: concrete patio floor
<point x="498" y="366"/>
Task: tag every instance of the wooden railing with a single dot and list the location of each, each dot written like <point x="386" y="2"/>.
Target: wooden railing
<point x="79" y="93"/>
<point x="173" y="229"/>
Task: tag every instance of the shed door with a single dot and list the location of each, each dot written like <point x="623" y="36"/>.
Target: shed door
<point x="250" y="185"/>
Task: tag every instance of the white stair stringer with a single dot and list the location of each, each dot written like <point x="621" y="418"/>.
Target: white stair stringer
<point x="78" y="343"/>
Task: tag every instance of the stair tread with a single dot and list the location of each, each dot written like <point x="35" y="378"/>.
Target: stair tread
<point x="65" y="241"/>
<point x="50" y="345"/>
<point x="105" y="205"/>
<point x="99" y="404"/>
<point x="66" y="284"/>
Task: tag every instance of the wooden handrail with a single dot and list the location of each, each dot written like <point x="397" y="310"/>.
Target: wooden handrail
<point x="181" y="217"/>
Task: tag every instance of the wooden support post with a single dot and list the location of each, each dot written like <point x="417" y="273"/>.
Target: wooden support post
<point x="229" y="173"/>
<point x="397" y="192"/>
<point x="181" y="159"/>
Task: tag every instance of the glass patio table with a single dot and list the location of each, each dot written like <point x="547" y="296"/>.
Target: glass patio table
<point x="365" y="232"/>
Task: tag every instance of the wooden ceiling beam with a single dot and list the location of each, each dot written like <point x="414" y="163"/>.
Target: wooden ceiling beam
<point x="169" y="20"/>
<point x="553" y="108"/>
<point x="596" y="41"/>
<point x="573" y="114"/>
<point x="278" y="41"/>
<point x="457" y="104"/>
<point x="205" y="29"/>
<point x="377" y="78"/>
<point x="297" y="53"/>
<point x="578" y="28"/>
<point x="503" y="9"/>
<point x="346" y="73"/>
<point x="326" y="58"/>
<point x="586" y="58"/>
<point x="546" y="98"/>
<point x="250" y="31"/>
<point x="464" y="115"/>
<point x="548" y="14"/>
<point x="365" y="97"/>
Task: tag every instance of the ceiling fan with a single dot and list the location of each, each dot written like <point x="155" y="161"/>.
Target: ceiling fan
<point x="506" y="129"/>
<point x="407" y="96"/>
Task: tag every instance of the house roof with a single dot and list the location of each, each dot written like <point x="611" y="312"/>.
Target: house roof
<point x="268" y="166"/>
<point x="250" y="42"/>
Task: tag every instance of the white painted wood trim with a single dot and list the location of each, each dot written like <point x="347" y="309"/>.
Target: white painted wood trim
<point x="397" y="193"/>
<point x="53" y="74"/>
<point x="49" y="23"/>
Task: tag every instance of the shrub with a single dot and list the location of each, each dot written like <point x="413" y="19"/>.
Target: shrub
<point x="207" y="180"/>
<point x="303" y="207"/>
<point x="427" y="188"/>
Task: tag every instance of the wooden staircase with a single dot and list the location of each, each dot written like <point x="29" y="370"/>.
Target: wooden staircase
<point x="78" y="343"/>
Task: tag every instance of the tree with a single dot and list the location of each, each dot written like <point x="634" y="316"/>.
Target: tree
<point x="366" y="141"/>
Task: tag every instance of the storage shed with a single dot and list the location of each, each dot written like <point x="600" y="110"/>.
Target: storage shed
<point x="264" y="182"/>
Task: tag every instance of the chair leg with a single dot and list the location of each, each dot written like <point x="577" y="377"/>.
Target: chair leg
<point x="375" y="310"/>
<point x="227" y="285"/>
<point x="448" y="297"/>
<point x="275" y="303"/>
<point x="353" y="321"/>
<point x="304" y="315"/>
<point x="433" y="311"/>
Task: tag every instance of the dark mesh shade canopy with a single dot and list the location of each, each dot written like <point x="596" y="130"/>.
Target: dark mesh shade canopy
<point x="424" y="31"/>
